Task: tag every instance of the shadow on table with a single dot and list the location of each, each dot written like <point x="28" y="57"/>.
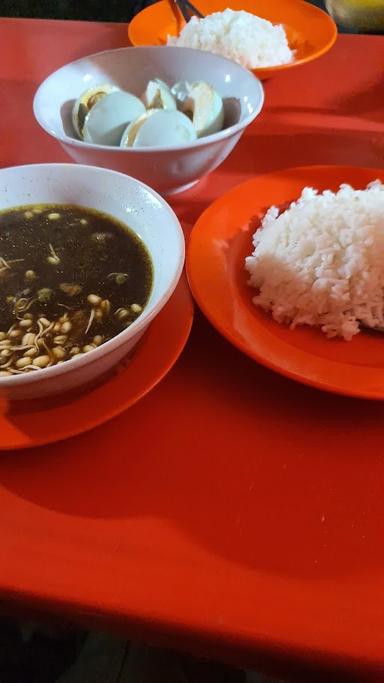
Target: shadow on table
<point x="314" y="146"/>
<point x="366" y="104"/>
<point x="270" y="147"/>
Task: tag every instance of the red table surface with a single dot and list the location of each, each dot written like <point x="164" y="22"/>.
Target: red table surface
<point x="230" y="512"/>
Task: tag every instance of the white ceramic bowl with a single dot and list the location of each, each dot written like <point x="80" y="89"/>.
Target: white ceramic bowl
<point x="129" y="201"/>
<point x="166" y="169"/>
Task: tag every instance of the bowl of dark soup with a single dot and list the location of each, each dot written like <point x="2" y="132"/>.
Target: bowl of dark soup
<point x="88" y="258"/>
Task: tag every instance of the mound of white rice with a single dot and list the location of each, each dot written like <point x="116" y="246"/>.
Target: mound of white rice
<point x="321" y="262"/>
<point x="240" y="36"/>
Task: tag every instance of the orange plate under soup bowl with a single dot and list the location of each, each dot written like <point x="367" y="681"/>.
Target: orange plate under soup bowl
<point x="28" y="424"/>
<point x="219" y="243"/>
<point x="311" y="32"/>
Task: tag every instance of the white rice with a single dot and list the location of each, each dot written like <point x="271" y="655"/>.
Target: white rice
<point x="240" y="36"/>
<point x="321" y="262"/>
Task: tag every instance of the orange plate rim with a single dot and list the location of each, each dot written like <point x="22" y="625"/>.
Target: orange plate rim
<point x="150" y="363"/>
<point x="202" y="257"/>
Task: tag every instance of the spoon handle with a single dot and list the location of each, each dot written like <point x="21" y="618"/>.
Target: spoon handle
<point x="187" y="9"/>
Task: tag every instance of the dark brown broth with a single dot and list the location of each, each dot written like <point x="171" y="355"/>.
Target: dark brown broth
<point x="81" y="253"/>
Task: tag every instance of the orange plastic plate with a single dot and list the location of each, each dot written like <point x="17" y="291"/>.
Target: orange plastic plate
<point x="35" y="424"/>
<point x="220" y="241"/>
<point x="310" y="31"/>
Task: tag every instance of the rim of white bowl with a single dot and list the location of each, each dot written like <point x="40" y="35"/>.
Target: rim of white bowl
<point x="144" y="318"/>
<point x="200" y="142"/>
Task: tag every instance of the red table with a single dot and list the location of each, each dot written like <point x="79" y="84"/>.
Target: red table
<point x="244" y="517"/>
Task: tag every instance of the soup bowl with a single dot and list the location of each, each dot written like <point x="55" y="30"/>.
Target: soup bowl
<point x="166" y="169"/>
<point x="126" y="200"/>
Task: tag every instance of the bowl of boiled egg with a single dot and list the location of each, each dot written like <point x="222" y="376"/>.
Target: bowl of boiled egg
<point x="167" y="116"/>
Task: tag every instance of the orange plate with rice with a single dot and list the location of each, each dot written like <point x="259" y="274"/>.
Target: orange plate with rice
<point x="311" y="32"/>
<point x="219" y="243"/>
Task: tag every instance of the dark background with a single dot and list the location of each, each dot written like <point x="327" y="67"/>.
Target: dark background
<point x="92" y="10"/>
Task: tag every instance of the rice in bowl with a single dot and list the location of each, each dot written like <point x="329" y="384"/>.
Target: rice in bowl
<point x="321" y="261"/>
<point x="238" y="35"/>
